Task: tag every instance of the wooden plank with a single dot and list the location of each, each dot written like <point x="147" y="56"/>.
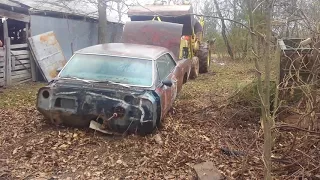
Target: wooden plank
<point x="21" y="67"/>
<point x="17" y="80"/>
<point x="18" y="46"/>
<point x="14" y="15"/>
<point x="22" y="81"/>
<point x="2" y="82"/>
<point x="14" y="73"/>
<point x="13" y="63"/>
<point x="20" y="52"/>
<point x="25" y="76"/>
<point x="1" y="74"/>
<point x="19" y="62"/>
<point x="25" y="56"/>
<point x="2" y="59"/>
<point x="2" y="70"/>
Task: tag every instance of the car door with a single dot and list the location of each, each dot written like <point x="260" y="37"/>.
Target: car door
<point x="165" y="67"/>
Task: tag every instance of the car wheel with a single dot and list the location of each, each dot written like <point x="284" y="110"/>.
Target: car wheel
<point x="146" y="128"/>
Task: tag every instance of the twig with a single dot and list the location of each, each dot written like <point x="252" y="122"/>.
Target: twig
<point x="294" y="127"/>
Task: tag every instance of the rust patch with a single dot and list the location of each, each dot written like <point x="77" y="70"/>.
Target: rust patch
<point x="63" y="63"/>
<point x="48" y="39"/>
<point x="53" y="73"/>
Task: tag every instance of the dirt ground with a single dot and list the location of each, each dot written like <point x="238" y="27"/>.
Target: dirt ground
<point x="201" y="128"/>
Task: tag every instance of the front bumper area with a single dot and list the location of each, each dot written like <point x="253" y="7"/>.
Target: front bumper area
<point x="78" y="108"/>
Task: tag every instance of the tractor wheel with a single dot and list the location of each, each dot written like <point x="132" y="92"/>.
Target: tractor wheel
<point x="204" y="55"/>
<point x="194" y="73"/>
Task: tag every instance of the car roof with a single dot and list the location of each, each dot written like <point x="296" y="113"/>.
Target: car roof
<point x="126" y="50"/>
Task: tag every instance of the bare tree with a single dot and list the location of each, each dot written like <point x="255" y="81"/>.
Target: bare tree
<point x="102" y="29"/>
<point x="266" y="117"/>
<point x="223" y="30"/>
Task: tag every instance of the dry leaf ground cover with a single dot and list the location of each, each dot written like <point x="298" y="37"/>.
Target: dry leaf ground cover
<point x="201" y="127"/>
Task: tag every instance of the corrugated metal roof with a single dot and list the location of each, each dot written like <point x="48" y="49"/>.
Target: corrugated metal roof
<point x="86" y="8"/>
<point x="10" y="3"/>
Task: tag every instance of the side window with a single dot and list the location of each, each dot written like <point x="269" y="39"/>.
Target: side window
<point x="171" y="62"/>
<point x="165" y="65"/>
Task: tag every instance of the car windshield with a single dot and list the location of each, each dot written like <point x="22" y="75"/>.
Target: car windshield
<point x="124" y="70"/>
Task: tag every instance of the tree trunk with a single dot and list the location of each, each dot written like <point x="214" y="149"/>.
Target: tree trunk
<point x="267" y="119"/>
<point x="119" y="9"/>
<point x="102" y="29"/>
<point x="223" y="31"/>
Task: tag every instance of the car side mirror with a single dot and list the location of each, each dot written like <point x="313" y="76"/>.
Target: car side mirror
<point x="59" y="69"/>
<point x="167" y="82"/>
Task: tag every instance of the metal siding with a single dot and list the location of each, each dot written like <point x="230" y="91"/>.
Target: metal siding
<point x="81" y="33"/>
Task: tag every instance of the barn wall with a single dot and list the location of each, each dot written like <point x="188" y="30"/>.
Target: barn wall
<point x="73" y="33"/>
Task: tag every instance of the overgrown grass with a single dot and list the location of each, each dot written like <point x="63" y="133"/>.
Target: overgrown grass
<point x="227" y="79"/>
<point x="20" y="95"/>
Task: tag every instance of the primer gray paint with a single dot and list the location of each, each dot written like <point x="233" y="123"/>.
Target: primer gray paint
<point x="73" y="35"/>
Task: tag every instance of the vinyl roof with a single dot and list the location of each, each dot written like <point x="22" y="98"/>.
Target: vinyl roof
<point x="126" y="50"/>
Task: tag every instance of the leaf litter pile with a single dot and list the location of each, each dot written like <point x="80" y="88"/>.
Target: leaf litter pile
<point x="201" y="127"/>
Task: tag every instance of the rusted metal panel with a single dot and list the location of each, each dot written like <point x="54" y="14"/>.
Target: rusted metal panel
<point x="163" y="10"/>
<point x="298" y="65"/>
<point x="155" y="33"/>
<point x="47" y="54"/>
<point x="182" y="14"/>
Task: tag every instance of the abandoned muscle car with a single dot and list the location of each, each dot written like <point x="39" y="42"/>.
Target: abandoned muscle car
<point x="117" y="87"/>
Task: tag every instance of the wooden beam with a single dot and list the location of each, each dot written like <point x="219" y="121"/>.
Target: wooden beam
<point x="6" y="38"/>
<point x="32" y="62"/>
<point x="8" y="62"/>
<point x="15" y="16"/>
<point x="19" y="46"/>
<point x="20" y="52"/>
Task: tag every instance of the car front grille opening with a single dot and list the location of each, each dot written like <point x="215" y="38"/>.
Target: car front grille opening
<point x="64" y="103"/>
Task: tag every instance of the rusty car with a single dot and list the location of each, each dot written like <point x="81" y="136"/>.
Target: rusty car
<point x="115" y="87"/>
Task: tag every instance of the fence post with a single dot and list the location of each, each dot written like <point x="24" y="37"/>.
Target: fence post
<point x="8" y="62"/>
<point x="32" y="63"/>
<point x="2" y="50"/>
<point x="7" y="53"/>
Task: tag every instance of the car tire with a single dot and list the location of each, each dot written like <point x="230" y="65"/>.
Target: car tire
<point x="146" y="128"/>
<point x="194" y="73"/>
<point x="204" y="55"/>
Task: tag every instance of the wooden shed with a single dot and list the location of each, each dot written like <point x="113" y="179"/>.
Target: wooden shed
<point x="74" y="27"/>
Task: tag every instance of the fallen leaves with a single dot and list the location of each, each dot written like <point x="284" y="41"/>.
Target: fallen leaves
<point x="32" y="148"/>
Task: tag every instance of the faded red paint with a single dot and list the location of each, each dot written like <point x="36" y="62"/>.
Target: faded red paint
<point x="155" y="33"/>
